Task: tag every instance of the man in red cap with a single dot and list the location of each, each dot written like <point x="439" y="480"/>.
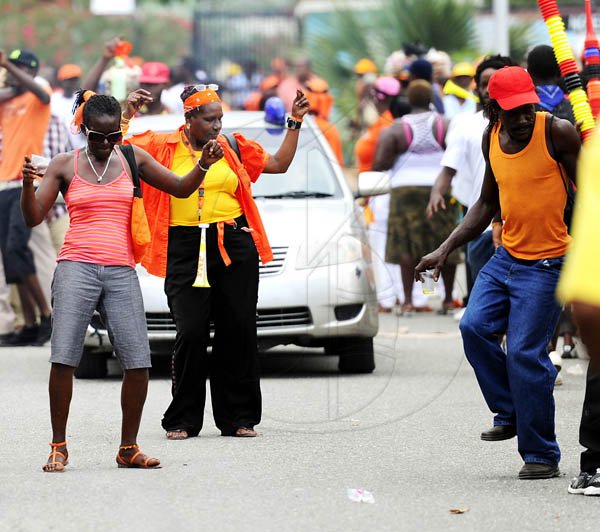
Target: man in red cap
<point x="155" y="79"/>
<point x="529" y="155"/>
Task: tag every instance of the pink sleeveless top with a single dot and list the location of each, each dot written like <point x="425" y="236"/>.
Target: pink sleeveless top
<point x="100" y="220"/>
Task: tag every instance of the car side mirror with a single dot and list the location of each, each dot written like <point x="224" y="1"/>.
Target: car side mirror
<point x="373" y="184"/>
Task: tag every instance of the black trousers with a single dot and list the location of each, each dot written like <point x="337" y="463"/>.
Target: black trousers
<point x="17" y="258"/>
<point x="231" y="303"/>
<point x="589" y="429"/>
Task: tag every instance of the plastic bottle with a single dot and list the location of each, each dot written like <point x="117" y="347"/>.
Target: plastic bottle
<point x="118" y="80"/>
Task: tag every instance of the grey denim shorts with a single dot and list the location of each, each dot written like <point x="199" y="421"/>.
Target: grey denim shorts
<point x="79" y="288"/>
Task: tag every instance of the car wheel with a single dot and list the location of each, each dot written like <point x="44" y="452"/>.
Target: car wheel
<point x="93" y="365"/>
<point x="356" y="355"/>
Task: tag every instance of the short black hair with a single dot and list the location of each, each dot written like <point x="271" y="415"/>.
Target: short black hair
<point x="541" y="63"/>
<point x="492" y="61"/>
<point x="99" y="105"/>
<point x="420" y="93"/>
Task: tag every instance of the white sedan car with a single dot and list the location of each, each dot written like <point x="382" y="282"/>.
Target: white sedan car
<point x="319" y="290"/>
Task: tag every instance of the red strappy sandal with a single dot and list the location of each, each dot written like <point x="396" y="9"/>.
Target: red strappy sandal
<point x="58" y="467"/>
<point x="131" y="463"/>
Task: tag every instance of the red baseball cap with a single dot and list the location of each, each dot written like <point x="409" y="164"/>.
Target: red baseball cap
<point x="512" y="87"/>
<point x="154" y="72"/>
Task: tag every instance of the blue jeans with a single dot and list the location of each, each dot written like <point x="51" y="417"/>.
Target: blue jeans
<point x="516" y="298"/>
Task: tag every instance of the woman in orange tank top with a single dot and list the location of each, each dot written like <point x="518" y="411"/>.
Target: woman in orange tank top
<point x="96" y="268"/>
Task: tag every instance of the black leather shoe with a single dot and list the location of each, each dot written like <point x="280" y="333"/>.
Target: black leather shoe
<point x="26" y="336"/>
<point x="499" y="433"/>
<point x="532" y="471"/>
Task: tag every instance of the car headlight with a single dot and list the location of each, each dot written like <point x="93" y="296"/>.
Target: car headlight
<point x="347" y="248"/>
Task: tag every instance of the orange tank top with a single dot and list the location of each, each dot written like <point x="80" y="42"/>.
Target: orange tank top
<point x="99" y="220"/>
<point x="532" y="197"/>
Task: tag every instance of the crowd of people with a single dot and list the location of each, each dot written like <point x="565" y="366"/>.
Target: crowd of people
<point x="480" y="158"/>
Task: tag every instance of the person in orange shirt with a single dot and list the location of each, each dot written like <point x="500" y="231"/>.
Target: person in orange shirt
<point x="24" y="119"/>
<point x="528" y="158"/>
<point x="235" y="240"/>
<point x="321" y="101"/>
<point x="383" y="92"/>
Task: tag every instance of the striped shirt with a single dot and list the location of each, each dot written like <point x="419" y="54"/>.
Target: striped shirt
<point x="100" y="219"/>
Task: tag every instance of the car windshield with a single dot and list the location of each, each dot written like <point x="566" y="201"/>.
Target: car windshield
<point x="311" y="174"/>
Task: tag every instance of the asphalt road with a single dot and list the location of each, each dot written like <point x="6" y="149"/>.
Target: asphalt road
<point x="408" y="433"/>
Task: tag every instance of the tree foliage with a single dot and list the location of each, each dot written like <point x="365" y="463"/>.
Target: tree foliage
<point x="441" y="24"/>
<point x="59" y="34"/>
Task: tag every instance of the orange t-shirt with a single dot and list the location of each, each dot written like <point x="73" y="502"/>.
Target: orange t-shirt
<point x="24" y="121"/>
<point x="366" y="145"/>
<point x="532" y="197"/>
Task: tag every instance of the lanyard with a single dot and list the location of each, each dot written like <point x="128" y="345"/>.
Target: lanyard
<point x="187" y="144"/>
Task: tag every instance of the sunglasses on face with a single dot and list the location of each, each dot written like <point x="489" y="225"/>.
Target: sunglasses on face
<point x="97" y="136"/>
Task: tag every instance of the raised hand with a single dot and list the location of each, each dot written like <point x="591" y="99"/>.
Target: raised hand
<point x="110" y="48"/>
<point x="300" y="106"/>
<point x="135" y="101"/>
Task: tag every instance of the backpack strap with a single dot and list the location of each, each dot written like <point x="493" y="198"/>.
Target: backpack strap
<point x="233" y="144"/>
<point x="127" y="151"/>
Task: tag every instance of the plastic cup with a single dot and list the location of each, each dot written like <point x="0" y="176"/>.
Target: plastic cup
<point x="428" y="284"/>
<point x="41" y="163"/>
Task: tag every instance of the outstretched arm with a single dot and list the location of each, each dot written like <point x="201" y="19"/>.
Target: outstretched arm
<point x="156" y="175"/>
<point x="279" y="162"/>
<point x="92" y="80"/>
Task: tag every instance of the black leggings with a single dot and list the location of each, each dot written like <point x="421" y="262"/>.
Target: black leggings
<point x="230" y="303"/>
<point x="589" y="429"/>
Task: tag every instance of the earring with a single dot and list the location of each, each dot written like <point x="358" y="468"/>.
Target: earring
<point x="187" y="125"/>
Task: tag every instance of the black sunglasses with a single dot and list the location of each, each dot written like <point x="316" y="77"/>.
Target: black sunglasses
<point x="96" y="136"/>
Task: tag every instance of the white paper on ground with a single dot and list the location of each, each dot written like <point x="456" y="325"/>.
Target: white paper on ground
<point x="360" y="495"/>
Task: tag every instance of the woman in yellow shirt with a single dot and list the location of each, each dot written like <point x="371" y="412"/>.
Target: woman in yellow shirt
<point x="235" y="240"/>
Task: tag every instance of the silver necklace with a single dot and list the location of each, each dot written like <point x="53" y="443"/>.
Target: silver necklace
<point x="99" y="176"/>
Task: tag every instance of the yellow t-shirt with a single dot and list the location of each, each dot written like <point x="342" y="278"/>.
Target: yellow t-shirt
<point x="580" y="280"/>
<point x="220" y="184"/>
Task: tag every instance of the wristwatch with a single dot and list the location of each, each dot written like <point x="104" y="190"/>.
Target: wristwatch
<point x="292" y="123"/>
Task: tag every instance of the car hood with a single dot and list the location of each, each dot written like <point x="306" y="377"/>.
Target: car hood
<point x="290" y="222"/>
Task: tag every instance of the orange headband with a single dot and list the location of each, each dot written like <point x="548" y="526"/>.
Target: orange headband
<point x="200" y="98"/>
<point x="78" y="116"/>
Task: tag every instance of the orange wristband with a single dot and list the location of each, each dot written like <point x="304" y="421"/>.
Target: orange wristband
<point x="296" y="119"/>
